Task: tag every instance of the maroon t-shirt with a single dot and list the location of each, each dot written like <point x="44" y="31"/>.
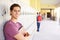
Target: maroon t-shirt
<point x="11" y="29"/>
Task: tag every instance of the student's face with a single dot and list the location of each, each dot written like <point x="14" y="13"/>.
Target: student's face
<point x="15" y="12"/>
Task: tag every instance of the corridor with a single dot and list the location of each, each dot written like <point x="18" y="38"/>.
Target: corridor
<point x="49" y="30"/>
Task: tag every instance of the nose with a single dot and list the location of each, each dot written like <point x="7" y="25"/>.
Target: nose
<point x="17" y="12"/>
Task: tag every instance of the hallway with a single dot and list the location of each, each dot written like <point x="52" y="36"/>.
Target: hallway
<point x="49" y="30"/>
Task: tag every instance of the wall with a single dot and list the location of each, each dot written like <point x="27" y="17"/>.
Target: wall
<point x="57" y="12"/>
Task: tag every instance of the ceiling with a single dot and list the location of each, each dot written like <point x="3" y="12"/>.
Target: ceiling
<point x="50" y="2"/>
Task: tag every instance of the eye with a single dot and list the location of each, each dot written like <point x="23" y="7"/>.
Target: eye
<point x="18" y="10"/>
<point x="14" y="10"/>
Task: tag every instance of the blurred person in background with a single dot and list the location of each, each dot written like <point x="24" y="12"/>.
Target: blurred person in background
<point x="39" y="18"/>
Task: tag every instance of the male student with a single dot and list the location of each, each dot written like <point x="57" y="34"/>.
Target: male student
<point x="14" y="30"/>
<point x="39" y="18"/>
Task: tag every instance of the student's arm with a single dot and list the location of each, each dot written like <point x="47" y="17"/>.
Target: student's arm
<point x="24" y="32"/>
<point x="19" y="36"/>
<point x="22" y="35"/>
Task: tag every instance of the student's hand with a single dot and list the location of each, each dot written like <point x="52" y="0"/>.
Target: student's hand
<point x="26" y="34"/>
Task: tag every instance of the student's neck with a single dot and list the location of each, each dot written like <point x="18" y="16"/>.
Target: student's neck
<point x="14" y="20"/>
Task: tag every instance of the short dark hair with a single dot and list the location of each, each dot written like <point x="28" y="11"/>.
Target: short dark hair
<point x="14" y="5"/>
<point x="37" y="13"/>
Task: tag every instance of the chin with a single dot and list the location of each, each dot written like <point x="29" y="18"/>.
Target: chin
<point x="16" y="18"/>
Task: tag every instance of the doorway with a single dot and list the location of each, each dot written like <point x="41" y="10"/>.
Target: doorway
<point x="48" y="12"/>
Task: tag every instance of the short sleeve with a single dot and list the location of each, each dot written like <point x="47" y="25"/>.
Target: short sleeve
<point x="11" y="30"/>
<point x="20" y="25"/>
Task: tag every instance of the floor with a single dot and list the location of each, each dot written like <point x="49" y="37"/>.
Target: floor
<point x="49" y="30"/>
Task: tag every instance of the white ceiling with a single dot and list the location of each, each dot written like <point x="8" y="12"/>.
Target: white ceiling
<point x="51" y="2"/>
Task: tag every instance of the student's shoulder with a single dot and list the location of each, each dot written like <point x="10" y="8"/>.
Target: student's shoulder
<point x="8" y="22"/>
